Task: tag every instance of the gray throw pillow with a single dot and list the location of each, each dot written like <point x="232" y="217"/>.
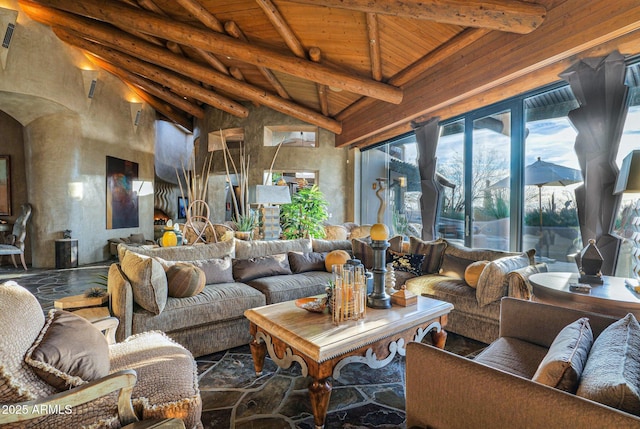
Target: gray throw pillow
<point x="563" y="365"/>
<point x="493" y="283"/>
<point x="148" y="281"/>
<point x="612" y="373"/>
<point x="454" y="266"/>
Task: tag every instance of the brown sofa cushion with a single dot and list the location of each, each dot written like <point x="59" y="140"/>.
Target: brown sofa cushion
<point x="69" y="352"/>
<point x="563" y="365"/>
<point x="611" y="375"/>
<point x="362" y="249"/>
<point x="433" y="252"/>
<point x="454" y="266"/>
<point x="245" y="270"/>
<point x="303" y="262"/>
<point x="185" y="279"/>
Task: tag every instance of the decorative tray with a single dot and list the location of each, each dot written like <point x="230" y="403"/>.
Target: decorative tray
<point x="312" y="304"/>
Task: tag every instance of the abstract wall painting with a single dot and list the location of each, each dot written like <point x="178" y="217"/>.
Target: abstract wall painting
<point x="122" y="201"/>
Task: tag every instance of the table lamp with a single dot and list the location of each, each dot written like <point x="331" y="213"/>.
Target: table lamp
<point x="629" y="181"/>
<point x="270" y="196"/>
<point x="379" y="297"/>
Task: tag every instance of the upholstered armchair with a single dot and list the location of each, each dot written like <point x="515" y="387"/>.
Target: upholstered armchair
<point x="59" y="371"/>
<point x="14" y="243"/>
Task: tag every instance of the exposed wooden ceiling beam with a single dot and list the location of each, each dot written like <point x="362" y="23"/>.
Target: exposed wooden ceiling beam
<point x="282" y="27"/>
<point x="315" y="54"/>
<point x="162" y="76"/>
<point x="374" y="46"/>
<point x="232" y="29"/>
<point x="122" y="15"/>
<point x="150" y="87"/>
<point x="419" y="67"/>
<point x="104" y="34"/>
<point x="494" y="61"/>
<point x="504" y="15"/>
<point x="202" y="14"/>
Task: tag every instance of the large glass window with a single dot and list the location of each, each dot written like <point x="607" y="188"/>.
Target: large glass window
<point x="450" y="174"/>
<point x="509" y="174"/>
<point x="552" y="173"/>
<point x="627" y="223"/>
<point x="391" y="187"/>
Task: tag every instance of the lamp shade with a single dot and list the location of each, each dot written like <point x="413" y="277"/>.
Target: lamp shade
<point x="379" y="232"/>
<point x="268" y="194"/>
<point x="629" y="176"/>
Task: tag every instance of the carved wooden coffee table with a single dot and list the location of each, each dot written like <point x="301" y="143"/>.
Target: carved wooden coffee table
<point x="322" y="349"/>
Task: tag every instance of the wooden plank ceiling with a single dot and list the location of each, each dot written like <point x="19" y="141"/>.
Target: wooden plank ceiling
<point x="316" y="60"/>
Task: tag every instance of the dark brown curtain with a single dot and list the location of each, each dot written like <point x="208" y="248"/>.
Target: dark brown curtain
<point x="598" y="84"/>
<point x="431" y="199"/>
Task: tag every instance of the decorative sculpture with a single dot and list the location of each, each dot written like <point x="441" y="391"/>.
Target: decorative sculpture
<point x="379" y="297"/>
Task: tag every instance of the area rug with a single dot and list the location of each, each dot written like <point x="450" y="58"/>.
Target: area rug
<point x="233" y="397"/>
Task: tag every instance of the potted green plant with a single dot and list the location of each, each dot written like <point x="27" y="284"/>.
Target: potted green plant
<point x="303" y="217"/>
<point x="245" y="224"/>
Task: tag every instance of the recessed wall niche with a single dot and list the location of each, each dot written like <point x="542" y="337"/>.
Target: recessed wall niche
<point x="291" y="135"/>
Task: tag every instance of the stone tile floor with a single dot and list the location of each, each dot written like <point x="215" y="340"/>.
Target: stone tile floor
<point x="233" y="397"/>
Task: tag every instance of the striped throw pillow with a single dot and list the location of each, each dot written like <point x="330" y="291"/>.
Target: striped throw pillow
<point x="185" y="280"/>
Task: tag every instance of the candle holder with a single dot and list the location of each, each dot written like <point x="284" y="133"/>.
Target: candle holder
<point x="379" y="297"/>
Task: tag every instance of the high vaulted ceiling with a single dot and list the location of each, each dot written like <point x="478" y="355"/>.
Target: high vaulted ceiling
<point x="326" y="62"/>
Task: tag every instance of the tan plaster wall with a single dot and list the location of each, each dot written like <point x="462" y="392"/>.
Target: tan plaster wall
<point x="65" y="139"/>
<point x="330" y="162"/>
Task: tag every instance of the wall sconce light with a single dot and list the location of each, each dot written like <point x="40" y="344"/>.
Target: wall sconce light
<point x="89" y="80"/>
<point x="136" y="112"/>
<point x="76" y="190"/>
<point x="8" y="19"/>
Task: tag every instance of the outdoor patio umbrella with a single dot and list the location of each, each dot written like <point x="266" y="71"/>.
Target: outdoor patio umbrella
<point x="542" y="173"/>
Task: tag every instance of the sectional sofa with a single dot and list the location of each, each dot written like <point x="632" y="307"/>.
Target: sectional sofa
<point x="239" y="275"/>
<point x="244" y="274"/>
<point x="448" y="274"/>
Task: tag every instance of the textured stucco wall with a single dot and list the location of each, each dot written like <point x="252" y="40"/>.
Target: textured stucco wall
<point x="65" y="138"/>
<point x="331" y="163"/>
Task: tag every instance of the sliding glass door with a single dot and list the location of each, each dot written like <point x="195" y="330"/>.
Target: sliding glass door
<point x="488" y="214"/>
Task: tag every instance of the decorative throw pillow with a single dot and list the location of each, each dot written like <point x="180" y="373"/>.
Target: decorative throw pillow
<point x="148" y="281"/>
<point x="216" y="270"/>
<point x="303" y="262"/>
<point x="492" y="284"/>
<point x="473" y="271"/>
<point x="245" y="270"/>
<point x="69" y="351"/>
<point x="453" y="266"/>
<point x="611" y="375"/>
<point x="362" y="249"/>
<point x="433" y="252"/>
<point x="335" y="257"/>
<point x="563" y="365"/>
<point x="410" y="263"/>
<point x="185" y="280"/>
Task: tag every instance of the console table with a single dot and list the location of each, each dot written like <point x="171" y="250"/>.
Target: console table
<point x="290" y="334"/>
<point x="612" y="297"/>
